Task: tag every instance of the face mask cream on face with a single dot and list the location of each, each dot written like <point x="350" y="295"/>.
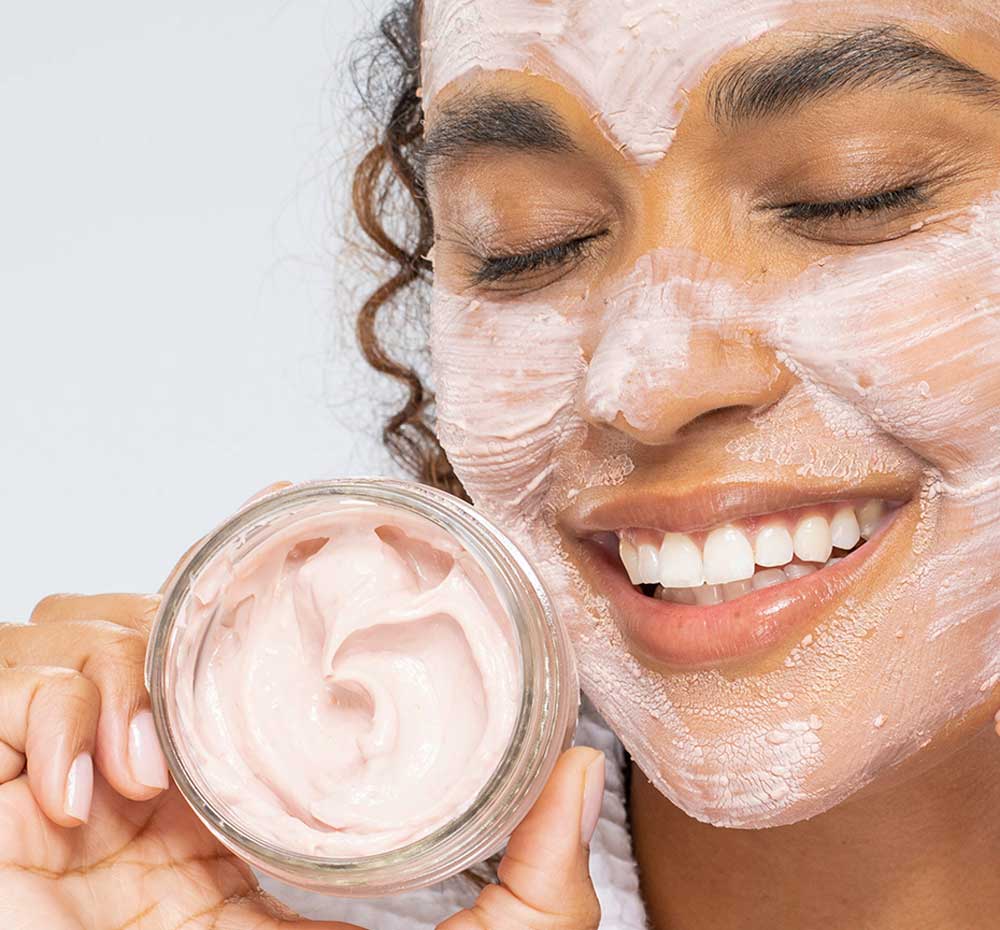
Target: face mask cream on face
<point x="360" y="685"/>
<point x="685" y="377"/>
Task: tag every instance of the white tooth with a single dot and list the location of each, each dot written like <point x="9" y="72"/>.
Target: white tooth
<point x="676" y="595"/>
<point x="680" y="562"/>
<point x="648" y="570"/>
<point x="844" y="530"/>
<point x="798" y="571"/>
<point x="735" y="589"/>
<point x="707" y="595"/>
<point x="812" y="539"/>
<point x="768" y="578"/>
<point x="869" y="515"/>
<point x="728" y="556"/>
<point x="773" y="546"/>
<point x="630" y="559"/>
<point x="832" y="562"/>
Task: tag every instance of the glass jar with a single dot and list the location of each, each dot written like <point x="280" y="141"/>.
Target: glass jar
<point x="543" y="726"/>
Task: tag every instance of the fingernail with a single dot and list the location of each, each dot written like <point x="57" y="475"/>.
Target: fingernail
<point x="145" y="757"/>
<point x="593" y="795"/>
<point x="79" y="787"/>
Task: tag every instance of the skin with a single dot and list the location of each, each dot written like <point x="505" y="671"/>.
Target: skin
<point x="132" y="855"/>
<point x="880" y="837"/>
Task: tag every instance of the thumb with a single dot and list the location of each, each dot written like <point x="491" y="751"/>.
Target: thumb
<point x="544" y="875"/>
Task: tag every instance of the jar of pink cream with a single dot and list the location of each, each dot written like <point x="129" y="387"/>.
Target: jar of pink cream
<point x="360" y="685"/>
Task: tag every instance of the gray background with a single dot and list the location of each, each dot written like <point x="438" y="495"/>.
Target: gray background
<point x="172" y="179"/>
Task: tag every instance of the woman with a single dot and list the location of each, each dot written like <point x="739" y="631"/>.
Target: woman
<point x="714" y="335"/>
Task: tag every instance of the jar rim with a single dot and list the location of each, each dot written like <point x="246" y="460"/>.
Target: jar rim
<point x="547" y="712"/>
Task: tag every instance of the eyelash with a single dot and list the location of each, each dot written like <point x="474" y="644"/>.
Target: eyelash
<point x="884" y="201"/>
<point x="500" y="267"/>
<point x="495" y="268"/>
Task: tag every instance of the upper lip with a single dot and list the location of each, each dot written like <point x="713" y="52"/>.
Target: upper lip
<point x="645" y="502"/>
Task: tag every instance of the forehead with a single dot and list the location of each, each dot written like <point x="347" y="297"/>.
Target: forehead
<point x="633" y="63"/>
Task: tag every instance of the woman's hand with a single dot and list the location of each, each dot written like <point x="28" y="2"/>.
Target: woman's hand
<point x="94" y="850"/>
<point x="96" y="845"/>
<point x="544" y="875"/>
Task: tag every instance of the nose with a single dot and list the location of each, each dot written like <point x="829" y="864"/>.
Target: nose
<point x="671" y="351"/>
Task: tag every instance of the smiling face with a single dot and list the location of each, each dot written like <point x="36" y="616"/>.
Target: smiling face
<point x="716" y="339"/>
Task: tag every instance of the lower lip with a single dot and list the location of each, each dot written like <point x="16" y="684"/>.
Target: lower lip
<point x="684" y="636"/>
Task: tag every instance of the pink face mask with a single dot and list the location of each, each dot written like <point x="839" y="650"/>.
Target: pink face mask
<point x="895" y="356"/>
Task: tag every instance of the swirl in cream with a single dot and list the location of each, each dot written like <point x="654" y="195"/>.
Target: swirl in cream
<point x="352" y="679"/>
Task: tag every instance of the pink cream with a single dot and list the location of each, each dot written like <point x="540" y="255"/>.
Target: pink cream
<point x="354" y="680"/>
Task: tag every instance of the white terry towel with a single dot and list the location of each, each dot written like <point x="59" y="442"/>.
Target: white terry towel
<point x="612" y="866"/>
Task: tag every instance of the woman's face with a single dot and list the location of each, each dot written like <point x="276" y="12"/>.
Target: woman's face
<point x="710" y="275"/>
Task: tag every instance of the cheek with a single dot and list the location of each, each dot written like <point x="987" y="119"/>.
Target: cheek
<point x="908" y="337"/>
<point x="911" y="336"/>
<point x="506" y="378"/>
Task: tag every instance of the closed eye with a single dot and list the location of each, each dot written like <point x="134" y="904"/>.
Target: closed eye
<point x="881" y="202"/>
<point x="493" y="268"/>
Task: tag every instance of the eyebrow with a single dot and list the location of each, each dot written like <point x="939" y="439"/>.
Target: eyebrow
<point x="880" y="57"/>
<point x="493" y="120"/>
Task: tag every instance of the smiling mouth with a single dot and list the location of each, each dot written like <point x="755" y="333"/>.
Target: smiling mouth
<point x="730" y="561"/>
<point x="704" y="574"/>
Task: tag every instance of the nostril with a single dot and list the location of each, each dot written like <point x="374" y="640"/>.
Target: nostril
<point x="719" y="416"/>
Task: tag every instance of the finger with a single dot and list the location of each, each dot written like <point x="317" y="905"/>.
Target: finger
<point x="127" y="752"/>
<point x="11" y="763"/>
<point x="135" y="611"/>
<point x="544" y="875"/>
<point x="49" y="717"/>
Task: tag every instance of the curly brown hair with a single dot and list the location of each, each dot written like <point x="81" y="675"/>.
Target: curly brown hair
<point x="391" y="207"/>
